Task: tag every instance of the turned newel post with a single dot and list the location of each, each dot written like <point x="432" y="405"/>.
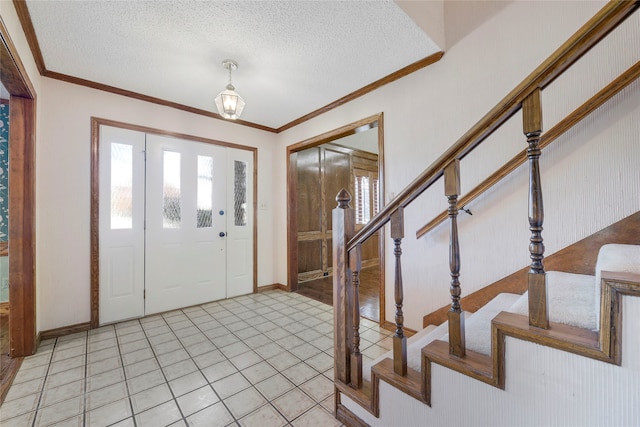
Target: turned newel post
<point x="456" y="316"/>
<point x="399" y="340"/>
<point x="532" y="128"/>
<point x="343" y="228"/>
<point x="355" y="265"/>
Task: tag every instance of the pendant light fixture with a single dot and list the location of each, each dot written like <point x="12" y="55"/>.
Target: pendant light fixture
<point x="229" y="103"/>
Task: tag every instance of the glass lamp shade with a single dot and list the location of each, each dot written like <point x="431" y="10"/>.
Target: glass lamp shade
<point x="229" y="103"/>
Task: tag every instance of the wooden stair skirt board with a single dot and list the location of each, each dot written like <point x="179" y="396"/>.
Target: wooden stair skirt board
<point x="605" y="346"/>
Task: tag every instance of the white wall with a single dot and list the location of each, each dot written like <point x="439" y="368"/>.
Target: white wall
<point x="63" y="187"/>
<point x="589" y="177"/>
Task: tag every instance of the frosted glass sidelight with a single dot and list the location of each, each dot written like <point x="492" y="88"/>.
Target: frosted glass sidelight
<point x="205" y="192"/>
<point x="171" y="190"/>
<point x="121" y="186"/>
<point x="240" y="193"/>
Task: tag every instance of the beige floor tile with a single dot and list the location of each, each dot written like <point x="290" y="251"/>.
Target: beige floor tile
<point x="161" y="415"/>
<point x="173" y="357"/>
<point x="64" y="377"/>
<point x="145" y="381"/>
<point x="114" y="412"/>
<point x="95" y="356"/>
<point x="59" y="355"/>
<point x="141" y="367"/>
<point x="235" y="349"/>
<point x="19" y="421"/>
<point x="60" y="411"/>
<point x="51" y="396"/>
<point x="244" y="402"/>
<point x="219" y="370"/>
<point x="266" y="416"/>
<point x="102" y="344"/>
<point x="329" y="404"/>
<point x="150" y="398"/>
<point x="316" y="417"/>
<point x="275" y="386"/>
<point x="245" y="360"/>
<point x="197" y="400"/>
<point x="304" y="351"/>
<point x="36" y="360"/>
<point x="76" y="421"/>
<point x="320" y="362"/>
<point x="299" y="373"/>
<point x="167" y="347"/>
<point x="66" y="364"/>
<point x="133" y="346"/>
<point x="283" y="360"/>
<point x="269" y="350"/>
<point x="187" y="383"/>
<point x="259" y="372"/>
<point x="293" y="404"/>
<point x="20" y="406"/>
<point x="137" y="356"/>
<point x="213" y="416"/>
<point x="230" y="385"/>
<point x="208" y="359"/>
<point x="179" y="369"/>
<point x="23" y="389"/>
<point x="103" y="366"/>
<point x="318" y="388"/>
<point x="105" y="379"/>
<point x="25" y="375"/>
<point x="106" y="395"/>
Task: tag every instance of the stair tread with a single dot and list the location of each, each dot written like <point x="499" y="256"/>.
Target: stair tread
<point x="414" y="346"/>
<point x="478" y="327"/>
<point x="571" y="300"/>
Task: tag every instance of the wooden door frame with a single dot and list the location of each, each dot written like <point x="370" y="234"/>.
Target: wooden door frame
<point x="292" y="196"/>
<point x="22" y="173"/>
<point x="95" y="200"/>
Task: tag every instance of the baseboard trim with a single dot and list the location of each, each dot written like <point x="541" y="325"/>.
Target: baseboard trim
<point x="348" y="418"/>
<point x="275" y="286"/>
<point x="65" y="330"/>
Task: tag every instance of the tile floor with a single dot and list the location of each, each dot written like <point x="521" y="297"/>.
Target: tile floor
<point x="258" y="360"/>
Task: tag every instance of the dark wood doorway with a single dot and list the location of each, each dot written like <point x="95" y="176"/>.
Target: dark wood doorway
<point x="21" y="236"/>
<point x="317" y="169"/>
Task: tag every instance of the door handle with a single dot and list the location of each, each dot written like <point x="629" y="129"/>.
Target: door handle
<point x="222" y="234"/>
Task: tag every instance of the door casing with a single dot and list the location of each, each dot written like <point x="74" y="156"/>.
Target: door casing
<point x="292" y="196"/>
<point x="95" y="199"/>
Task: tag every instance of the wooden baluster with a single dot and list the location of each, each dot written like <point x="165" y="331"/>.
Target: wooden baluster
<point x="532" y="128"/>
<point x="399" y="340"/>
<point x="355" y="265"/>
<point x="343" y="228"/>
<point x="456" y="316"/>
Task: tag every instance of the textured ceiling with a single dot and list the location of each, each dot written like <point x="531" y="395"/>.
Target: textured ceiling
<point x="294" y="56"/>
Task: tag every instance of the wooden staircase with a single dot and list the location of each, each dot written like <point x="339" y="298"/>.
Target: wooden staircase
<point x="457" y="378"/>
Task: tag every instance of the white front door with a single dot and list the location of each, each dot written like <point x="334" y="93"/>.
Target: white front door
<point x="186" y="227"/>
<point x="193" y="227"/>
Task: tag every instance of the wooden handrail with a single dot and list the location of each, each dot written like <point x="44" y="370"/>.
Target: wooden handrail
<point x="584" y="39"/>
<point x="609" y="91"/>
